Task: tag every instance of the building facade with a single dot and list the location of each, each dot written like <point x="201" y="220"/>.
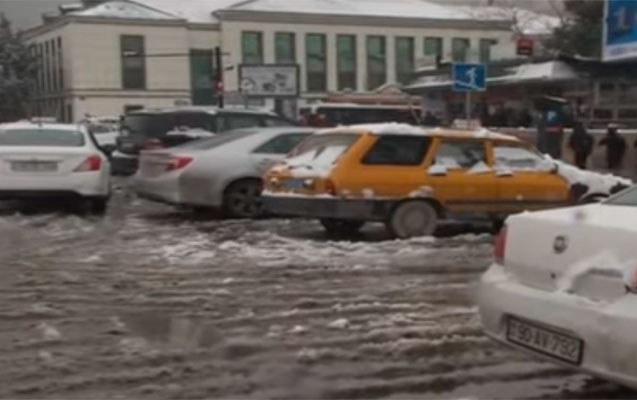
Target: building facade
<point x="113" y="56"/>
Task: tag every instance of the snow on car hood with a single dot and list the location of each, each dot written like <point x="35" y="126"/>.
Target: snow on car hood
<point x="596" y="182"/>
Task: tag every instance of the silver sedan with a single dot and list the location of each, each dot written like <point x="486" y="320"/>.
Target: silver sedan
<point x="223" y="172"/>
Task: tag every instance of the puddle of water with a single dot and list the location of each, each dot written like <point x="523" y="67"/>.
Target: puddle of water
<point x="182" y="332"/>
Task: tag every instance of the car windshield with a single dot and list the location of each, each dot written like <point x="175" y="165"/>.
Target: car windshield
<point x="216" y="141"/>
<point x="41" y="137"/>
<point x="627" y="197"/>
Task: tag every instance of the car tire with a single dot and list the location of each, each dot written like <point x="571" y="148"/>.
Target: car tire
<point x="242" y="199"/>
<point x="411" y="219"/>
<point x="342" y="226"/>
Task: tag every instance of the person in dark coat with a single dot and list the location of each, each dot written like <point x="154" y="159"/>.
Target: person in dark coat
<point x="581" y="142"/>
<point x="615" y="147"/>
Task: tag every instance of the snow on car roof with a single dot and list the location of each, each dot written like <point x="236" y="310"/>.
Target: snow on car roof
<point x="44" y="125"/>
<point x="394" y="128"/>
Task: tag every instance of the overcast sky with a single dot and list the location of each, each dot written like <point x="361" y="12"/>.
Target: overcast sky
<point x="26" y="13"/>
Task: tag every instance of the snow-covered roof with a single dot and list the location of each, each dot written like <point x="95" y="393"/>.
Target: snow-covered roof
<point x="195" y="11"/>
<point x="524" y="21"/>
<point x="549" y="71"/>
<point x="379" y="8"/>
<point x="125" y="9"/>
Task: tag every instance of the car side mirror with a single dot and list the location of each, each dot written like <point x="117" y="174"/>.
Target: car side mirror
<point x="437" y="170"/>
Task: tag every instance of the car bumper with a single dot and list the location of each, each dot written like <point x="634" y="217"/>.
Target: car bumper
<point x="160" y="190"/>
<point x="81" y="184"/>
<point x="316" y="207"/>
<point x="606" y="329"/>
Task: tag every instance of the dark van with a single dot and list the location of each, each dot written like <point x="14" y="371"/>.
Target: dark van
<point x="168" y="127"/>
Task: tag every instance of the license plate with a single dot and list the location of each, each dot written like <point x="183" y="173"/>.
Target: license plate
<point x="34" y="166"/>
<point x="294" y="184"/>
<point x="546" y="341"/>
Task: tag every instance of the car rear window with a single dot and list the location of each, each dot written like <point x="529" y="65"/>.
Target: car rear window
<point x="158" y="124"/>
<point x="320" y="151"/>
<point x="216" y="141"/>
<point x="41" y="137"/>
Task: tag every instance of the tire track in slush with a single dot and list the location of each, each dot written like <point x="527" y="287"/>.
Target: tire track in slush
<point x="148" y="302"/>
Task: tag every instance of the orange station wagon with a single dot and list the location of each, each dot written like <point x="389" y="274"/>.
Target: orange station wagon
<point x="410" y="178"/>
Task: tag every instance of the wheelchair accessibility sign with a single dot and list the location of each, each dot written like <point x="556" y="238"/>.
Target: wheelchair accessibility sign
<point x="469" y="77"/>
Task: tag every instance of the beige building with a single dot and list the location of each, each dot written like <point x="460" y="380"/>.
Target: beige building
<point x="107" y="57"/>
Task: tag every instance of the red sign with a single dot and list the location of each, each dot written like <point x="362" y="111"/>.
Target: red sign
<point x="525" y="47"/>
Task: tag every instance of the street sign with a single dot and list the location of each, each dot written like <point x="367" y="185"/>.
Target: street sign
<point x="525" y="47"/>
<point x="469" y="77"/>
<point x="269" y="80"/>
<point x="620" y="30"/>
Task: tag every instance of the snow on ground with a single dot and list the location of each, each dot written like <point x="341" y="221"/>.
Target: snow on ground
<point x="153" y="303"/>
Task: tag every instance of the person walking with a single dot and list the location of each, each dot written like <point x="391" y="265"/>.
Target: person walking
<point x="581" y="143"/>
<point x="615" y="147"/>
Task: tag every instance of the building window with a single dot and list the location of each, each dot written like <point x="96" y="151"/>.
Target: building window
<point x="433" y="46"/>
<point x="201" y="77"/>
<point x="404" y="59"/>
<point x="485" y="49"/>
<point x="252" y="47"/>
<point x="41" y="66"/>
<point x="376" y="62"/>
<point x="316" y="61"/>
<point x="54" y="65"/>
<point x="459" y="49"/>
<point x="346" y="53"/>
<point x="60" y="64"/>
<point x="284" y="48"/>
<point x="133" y="62"/>
<point x="47" y="67"/>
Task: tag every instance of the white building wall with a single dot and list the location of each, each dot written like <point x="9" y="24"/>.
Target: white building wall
<point x="231" y="40"/>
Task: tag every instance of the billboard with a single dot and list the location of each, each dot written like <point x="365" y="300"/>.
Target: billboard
<point x="620" y="30"/>
<point x="269" y="80"/>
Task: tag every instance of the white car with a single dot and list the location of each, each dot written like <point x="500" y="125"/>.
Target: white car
<point x="47" y="160"/>
<point x="564" y="287"/>
<point x="222" y="172"/>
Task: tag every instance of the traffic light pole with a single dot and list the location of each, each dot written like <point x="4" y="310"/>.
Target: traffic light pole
<point x="467" y="108"/>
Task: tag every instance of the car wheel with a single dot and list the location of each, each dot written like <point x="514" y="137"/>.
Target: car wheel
<point x="242" y="199"/>
<point x="412" y="218"/>
<point x="342" y="226"/>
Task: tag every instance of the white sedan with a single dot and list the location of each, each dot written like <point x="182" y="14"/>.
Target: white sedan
<point x="564" y="287"/>
<point x="223" y="172"/>
<point x="46" y="160"/>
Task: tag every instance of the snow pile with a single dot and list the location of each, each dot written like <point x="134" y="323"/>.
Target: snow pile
<point x="480" y="168"/>
<point x="597" y="183"/>
<point x="605" y="261"/>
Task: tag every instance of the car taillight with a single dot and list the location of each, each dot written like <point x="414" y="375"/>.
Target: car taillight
<point x="92" y="163"/>
<point x="178" y="163"/>
<point x="500" y="245"/>
<point x="330" y="188"/>
<point x="153" y="144"/>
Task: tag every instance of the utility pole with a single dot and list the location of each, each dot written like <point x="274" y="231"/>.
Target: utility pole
<point x="219" y="86"/>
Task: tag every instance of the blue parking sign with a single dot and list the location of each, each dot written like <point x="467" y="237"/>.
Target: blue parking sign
<point x="469" y="77"/>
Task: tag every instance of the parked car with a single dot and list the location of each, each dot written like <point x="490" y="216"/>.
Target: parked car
<point x="168" y="127"/>
<point x="410" y="178"/>
<point x="223" y="172"/>
<point x="50" y="160"/>
<point x="564" y="287"/>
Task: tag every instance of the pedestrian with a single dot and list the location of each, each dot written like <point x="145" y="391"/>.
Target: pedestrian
<point x="581" y="143"/>
<point x="615" y="147"/>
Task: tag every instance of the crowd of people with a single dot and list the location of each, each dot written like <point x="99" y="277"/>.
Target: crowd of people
<point x="582" y="143"/>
